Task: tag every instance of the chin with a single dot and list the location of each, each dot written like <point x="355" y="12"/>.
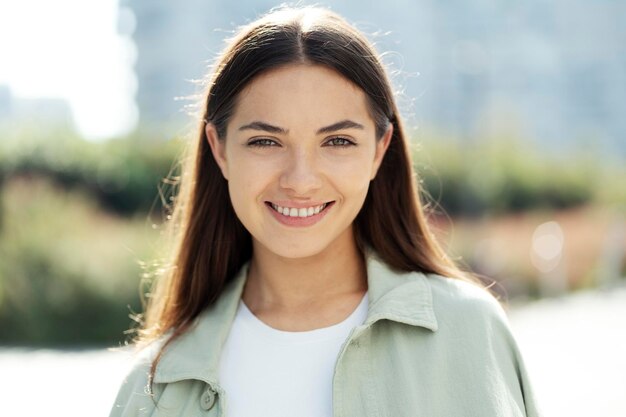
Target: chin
<point x="294" y="251"/>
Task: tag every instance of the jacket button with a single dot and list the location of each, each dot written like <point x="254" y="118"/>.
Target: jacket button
<point x="207" y="400"/>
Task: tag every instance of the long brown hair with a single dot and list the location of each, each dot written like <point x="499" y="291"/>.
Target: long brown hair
<point x="211" y="244"/>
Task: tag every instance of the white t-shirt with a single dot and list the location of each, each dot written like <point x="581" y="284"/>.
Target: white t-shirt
<point x="267" y="372"/>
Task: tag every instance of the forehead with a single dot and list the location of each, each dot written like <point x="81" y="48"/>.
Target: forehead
<point x="302" y="93"/>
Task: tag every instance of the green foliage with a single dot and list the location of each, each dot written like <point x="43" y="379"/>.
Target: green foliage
<point x="68" y="271"/>
<point x="122" y="175"/>
<point x="507" y="176"/>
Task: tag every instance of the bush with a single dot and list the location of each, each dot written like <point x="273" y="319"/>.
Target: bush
<point x="122" y="175"/>
<point x="69" y="272"/>
<point x="505" y="176"/>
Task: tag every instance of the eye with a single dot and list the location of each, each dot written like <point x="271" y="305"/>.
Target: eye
<point x="340" y="142"/>
<point x="262" y="143"/>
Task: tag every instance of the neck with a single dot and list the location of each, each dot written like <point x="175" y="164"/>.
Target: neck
<point x="278" y="283"/>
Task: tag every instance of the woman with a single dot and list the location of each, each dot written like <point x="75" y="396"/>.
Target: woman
<point x="305" y="281"/>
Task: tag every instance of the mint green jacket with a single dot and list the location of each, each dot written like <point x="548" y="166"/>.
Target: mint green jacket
<point x="430" y="346"/>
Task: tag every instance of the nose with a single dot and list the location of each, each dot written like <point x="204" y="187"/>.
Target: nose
<point x="301" y="173"/>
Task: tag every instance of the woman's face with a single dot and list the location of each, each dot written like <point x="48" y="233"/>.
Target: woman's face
<point x="299" y="153"/>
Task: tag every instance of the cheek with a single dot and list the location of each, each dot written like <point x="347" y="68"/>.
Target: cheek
<point x="353" y="171"/>
<point x="350" y="180"/>
<point x="249" y="178"/>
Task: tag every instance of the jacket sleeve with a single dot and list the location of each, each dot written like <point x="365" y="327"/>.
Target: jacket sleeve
<point x="509" y="358"/>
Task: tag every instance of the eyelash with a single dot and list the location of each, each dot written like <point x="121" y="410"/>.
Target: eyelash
<point x="268" y="143"/>
<point x="347" y="142"/>
<point x="257" y="143"/>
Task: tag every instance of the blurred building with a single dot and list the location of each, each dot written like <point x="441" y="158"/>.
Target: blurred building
<point x="552" y="71"/>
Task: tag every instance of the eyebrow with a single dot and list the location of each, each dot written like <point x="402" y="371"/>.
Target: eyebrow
<point x="266" y="127"/>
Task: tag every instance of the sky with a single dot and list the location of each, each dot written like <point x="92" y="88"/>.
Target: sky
<point x="71" y="49"/>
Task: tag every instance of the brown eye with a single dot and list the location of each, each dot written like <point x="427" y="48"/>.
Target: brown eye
<point x="262" y="143"/>
<point x="340" y="141"/>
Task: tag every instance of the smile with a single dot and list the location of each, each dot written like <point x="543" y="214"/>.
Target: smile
<point x="299" y="212"/>
<point x="299" y="217"/>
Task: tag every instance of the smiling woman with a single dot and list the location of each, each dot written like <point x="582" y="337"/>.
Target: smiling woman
<point x="305" y="280"/>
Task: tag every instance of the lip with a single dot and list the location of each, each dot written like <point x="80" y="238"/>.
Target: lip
<point x="297" y="204"/>
<point x="299" y="221"/>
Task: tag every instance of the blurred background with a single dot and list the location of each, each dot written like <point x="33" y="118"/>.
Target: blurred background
<point x="516" y="115"/>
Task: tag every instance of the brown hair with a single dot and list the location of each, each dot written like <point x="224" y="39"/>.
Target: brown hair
<point x="211" y="244"/>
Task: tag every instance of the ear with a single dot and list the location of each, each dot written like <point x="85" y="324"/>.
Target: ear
<point x="218" y="148"/>
<point x="381" y="148"/>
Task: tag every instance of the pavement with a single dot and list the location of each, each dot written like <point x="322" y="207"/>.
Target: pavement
<point x="575" y="351"/>
<point x="574" y="348"/>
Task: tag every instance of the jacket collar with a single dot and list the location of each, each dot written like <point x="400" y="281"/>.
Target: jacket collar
<point x="397" y="296"/>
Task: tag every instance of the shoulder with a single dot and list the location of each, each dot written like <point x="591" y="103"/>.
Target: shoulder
<point x="470" y="316"/>
<point x="134" y="397"/>
<point x="466" y="305"/>
<point x="476" y="336"/>
<point x="473" y="329"/>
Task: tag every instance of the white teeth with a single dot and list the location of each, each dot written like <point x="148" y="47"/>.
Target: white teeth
<point x="294" y="212"/>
